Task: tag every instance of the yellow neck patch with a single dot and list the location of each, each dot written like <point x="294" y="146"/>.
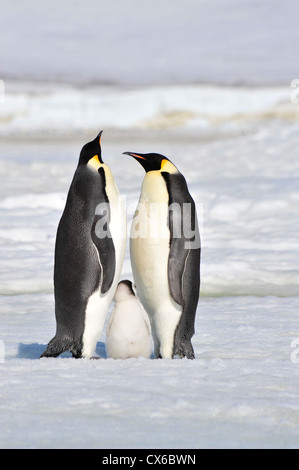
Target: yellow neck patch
<point x="169" y="167"/>
<point x="94" y="162"/>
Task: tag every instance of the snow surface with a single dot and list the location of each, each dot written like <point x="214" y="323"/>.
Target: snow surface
<point x="70" y="71"/>
<point x="242" y="388"/>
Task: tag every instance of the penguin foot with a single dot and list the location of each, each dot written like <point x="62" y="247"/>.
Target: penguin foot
<point x="184" y="350"/>
<point x="60" y="345"/>
<point x="53" y="349"/>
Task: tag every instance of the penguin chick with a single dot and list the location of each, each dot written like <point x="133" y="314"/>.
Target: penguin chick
<point x="128" y="331"/>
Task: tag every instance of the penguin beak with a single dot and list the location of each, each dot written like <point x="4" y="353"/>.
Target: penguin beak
<point x="99" y="136"/>
<point x="135" y="155"/>
<point x="142" y="159"/>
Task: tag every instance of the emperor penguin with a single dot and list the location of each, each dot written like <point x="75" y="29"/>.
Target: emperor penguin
<point x="89" y="253"/>
<point x="128" y="332"/>
<point x="165" y="255"/>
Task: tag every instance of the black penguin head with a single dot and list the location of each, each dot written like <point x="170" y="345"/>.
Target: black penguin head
<point x="125" y="290"/>
<point x="153" y="162"/>
<point x="91" y="150"/>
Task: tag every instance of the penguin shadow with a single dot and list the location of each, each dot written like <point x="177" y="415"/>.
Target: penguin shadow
<point x="34" y="351"/>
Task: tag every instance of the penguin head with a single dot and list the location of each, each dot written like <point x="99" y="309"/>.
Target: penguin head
<point x="124" y="291"/>
<point x="91" y="153"/>
<point x="154" y="162"/>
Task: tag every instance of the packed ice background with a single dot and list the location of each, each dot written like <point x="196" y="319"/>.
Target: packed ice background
<point x="209" y="85"/>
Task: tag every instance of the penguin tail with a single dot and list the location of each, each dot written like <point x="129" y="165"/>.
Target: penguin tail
<point x="60" y="345"/>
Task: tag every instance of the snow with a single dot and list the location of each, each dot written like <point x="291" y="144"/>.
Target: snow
<point x="242" y="388"/>
<point x="241" y="391"/>
<point x="237" y="146"/>
<point x="43" y="109"/>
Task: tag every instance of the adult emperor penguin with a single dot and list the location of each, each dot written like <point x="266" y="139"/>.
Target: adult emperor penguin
<point x="128" y="332"/>
<point x="165" y="255"/>
<point x="89" y="253"/>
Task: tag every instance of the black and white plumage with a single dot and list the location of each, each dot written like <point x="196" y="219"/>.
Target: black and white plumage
<point x="89" y="253"/>
<point x="165" y="255"/>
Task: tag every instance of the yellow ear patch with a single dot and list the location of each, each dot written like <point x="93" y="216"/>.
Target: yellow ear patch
<point x="94" y="162"/>
<point x="167" y="166"/>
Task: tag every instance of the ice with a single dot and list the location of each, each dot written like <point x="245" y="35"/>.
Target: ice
<point x="43" y="110"/>
<point x="240" y="391"/>
<point x="242" y="388"/>
<point x="208" y="84"/>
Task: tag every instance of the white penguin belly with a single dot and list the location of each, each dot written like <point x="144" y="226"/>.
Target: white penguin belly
<point x="98" y="304"/>
<point x="149" y="259"/>
<point x="95" y="316"/>
<point x="128" y="332"/>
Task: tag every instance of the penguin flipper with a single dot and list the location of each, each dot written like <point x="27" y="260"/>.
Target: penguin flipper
<point x="106" y="253"/>
<point x="190" y="292"/>
<point x="184" y="256"/>
<point x="183" y="228"/>
<point x="184" y="281"/>
<point x="102" y="239"/>
<point x="176" y="265"/>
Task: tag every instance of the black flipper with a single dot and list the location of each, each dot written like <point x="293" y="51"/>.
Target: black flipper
<point x="190" y="286"/>
<point x="102" y="239"/>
